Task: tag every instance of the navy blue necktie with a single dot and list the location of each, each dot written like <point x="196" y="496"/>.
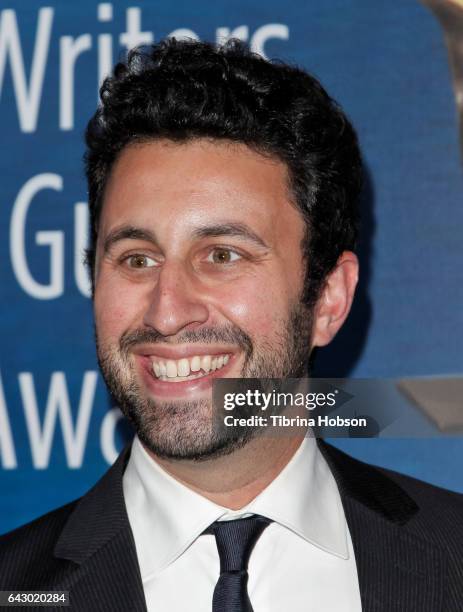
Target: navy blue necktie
<point x="235" y="541"/>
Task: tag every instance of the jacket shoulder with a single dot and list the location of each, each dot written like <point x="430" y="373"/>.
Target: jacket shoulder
<point x="45" y="552"/>
<point x="26" y="553"/>
<point x="435" y="503"/>
<point x="427" y="510"/>
<point x="439" y="511"/>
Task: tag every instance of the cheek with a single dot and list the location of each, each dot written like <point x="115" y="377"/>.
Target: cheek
<point x="257" y="310"/>
<point x="116" y="310"/>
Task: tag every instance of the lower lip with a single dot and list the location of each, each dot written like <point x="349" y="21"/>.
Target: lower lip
<point x="164" y="388"/>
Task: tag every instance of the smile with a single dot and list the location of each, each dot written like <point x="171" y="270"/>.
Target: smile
<point x="185" y="369"/>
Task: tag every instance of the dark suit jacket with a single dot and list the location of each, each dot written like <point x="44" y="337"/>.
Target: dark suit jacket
<point x="407" y="537"/>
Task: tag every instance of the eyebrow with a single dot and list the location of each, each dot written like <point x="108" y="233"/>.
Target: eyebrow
<point x="128" y="232"/>
<point x="229" y="229"/>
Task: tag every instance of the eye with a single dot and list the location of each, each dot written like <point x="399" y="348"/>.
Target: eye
<point x="223" y="255"/>
<point x="139" y="261"/>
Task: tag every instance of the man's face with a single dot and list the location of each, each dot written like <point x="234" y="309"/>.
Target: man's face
<point x="198" y="275"/>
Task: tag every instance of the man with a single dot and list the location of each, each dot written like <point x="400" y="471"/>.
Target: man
<point x="222" y="192"/>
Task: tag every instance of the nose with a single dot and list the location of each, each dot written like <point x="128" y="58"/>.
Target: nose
<point x="176" y="302"/>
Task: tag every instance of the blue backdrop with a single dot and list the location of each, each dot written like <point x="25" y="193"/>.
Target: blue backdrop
<point x="385" y="62"/>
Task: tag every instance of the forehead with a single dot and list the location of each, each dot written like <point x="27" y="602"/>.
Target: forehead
<point x="177" y="186"/>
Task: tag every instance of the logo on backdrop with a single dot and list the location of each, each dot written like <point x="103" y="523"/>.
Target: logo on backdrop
<point x="36" y="52"/>
<point x="28" y="87"/>
<point x="57" y="414"/>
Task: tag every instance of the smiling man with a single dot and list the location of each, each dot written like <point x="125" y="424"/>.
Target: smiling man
<point x="223" y="197"/>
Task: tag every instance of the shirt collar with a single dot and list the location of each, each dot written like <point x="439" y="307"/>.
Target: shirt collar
<point x="166" y="516"/>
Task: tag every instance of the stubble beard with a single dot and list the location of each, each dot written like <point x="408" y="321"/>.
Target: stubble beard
<point x="185" y="429"/>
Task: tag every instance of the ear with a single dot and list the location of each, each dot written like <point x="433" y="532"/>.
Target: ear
<point x="335" y="300"/>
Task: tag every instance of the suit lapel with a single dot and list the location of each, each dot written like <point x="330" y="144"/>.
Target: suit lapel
<point x="397" y="569"/>
<point x="97" y="538"/>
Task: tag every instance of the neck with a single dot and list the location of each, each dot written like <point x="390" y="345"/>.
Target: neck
<point x="236" y="479"/>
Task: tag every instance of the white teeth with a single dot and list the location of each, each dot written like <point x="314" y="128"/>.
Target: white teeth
<point x="181" y="378"/>
<point x="171" y="367"/>
<point x="206" y="363"/>
<point x="195" y="365"/>
<point x="186" y="368"/>
<point x="183" y="367"/>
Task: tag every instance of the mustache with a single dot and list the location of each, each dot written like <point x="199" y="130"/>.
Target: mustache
<point x="230" y="334"/>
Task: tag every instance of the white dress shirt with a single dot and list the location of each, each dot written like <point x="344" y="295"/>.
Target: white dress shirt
<point x="303" y="561"/>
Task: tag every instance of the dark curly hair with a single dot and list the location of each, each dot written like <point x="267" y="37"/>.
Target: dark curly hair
<point x="182" y="90"/>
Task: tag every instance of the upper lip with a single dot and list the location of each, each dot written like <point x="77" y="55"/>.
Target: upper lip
<point x="178" y="352"/>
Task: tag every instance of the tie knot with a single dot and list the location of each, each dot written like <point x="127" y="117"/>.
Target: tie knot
<point x="236" y="539"/>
